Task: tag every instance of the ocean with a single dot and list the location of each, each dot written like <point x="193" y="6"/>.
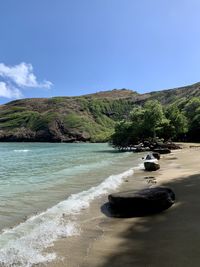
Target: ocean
<point x="44" y="187"/>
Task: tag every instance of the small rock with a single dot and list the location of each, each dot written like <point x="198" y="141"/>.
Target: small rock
<point x="156" y="155"/>
<point x="149" y="157"/>
<point x="151" y="166"/>
<point x="150" y="177"/>
<point x="152" y="182"/>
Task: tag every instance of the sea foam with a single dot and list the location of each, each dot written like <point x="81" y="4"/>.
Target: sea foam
<point x="25" y="244"/>
<point x="21" y="150"/>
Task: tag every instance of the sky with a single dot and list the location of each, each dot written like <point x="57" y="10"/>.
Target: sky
<point x="74" y="47"/>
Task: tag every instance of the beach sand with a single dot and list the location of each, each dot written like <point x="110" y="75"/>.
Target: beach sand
<point x="171" y="238"/>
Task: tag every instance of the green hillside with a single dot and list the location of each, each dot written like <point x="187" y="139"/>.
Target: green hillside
<point x="85" y="118"/>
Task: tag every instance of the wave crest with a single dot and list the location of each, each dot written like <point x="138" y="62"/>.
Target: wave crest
<point x="24" y="245"/>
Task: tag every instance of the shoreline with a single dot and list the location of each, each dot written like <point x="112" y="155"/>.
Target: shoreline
<point x="62" y="182"/>
<point x="148" y="241"/>
<point x="48" y="193"/>
<point x="170" y="238"/>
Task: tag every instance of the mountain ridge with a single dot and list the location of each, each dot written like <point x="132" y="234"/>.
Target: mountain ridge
<point x="88" y="117"/>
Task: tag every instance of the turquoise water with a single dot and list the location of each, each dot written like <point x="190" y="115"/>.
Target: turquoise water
<point x="39" y="182"/>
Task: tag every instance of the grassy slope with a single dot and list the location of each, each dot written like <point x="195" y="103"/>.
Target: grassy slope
<point x="85" y="118"/>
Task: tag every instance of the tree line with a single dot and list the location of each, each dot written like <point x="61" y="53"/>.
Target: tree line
<point x="179" y="121"/>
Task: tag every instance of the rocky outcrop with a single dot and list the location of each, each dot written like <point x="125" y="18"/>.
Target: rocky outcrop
<point x="155" y="145"/>
<point x="170" y="145"/>
<point x="52" y="134"/>
<point x="141" y="203"/>
<point x="151" y="166"/>
<point x="20" y="134"/>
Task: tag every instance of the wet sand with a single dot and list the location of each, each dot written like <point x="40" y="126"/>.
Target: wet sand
<point x="171" y="238"/>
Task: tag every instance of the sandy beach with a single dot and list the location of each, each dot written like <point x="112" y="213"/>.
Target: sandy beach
<point x="171" y="238"/>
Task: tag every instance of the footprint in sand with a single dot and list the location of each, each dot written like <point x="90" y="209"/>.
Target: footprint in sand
<point x="150" y="179"/>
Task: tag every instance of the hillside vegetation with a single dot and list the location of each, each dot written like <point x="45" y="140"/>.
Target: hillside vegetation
<point x="90" y="117"/>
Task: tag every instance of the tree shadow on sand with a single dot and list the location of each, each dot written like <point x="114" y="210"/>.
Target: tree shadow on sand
<point x="168" y="239"/>
<point x="109" y="211"/>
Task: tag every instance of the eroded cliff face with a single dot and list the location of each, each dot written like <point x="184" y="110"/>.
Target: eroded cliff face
<point x="64" y="119"/>
<point x="50" y="135"/>
<point x="53" y="131"/>
<point x="77" y="119"/>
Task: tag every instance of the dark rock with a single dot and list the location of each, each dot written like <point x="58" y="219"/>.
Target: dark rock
<point x="141" y="203"/>
<point x="141" y="149"/>
<point x="156" y="155"/>
<point x="171" y="145"/>
<point x="153" y="155"/>
<point x="151" y="166"/>
<point x="162" y="150"/>
<point x="149" y="177"/>
<point x="149" y="156"/>
<point x="146" y="143"/>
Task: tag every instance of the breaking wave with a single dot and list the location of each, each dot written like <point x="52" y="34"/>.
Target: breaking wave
<point x="25" y="244"/>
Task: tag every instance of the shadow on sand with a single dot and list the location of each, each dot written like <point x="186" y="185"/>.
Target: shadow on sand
<point x="168" y="239"/>
<point x="108" y="210"/>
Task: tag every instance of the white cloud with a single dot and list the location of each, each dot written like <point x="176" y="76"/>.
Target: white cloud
<point x="19" y="77"/>
<point x="9" y="92"/>
<point x="22" y="75"/>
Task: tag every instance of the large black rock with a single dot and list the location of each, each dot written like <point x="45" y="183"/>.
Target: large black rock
<point x="141" y="203"/>
<point x="151" y="166"/>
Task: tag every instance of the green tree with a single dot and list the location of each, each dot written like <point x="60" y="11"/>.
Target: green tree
<point x="137" y="114"/>
<point x="121" y="137"/>
<point x="192" y="111"/>
<point x="153" y="116"/>
<point x="165" y="129"/>
<point x="191" y="108"/>
<point x="178" y="121"/>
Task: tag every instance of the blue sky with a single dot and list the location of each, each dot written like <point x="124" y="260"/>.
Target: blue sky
<point x="73" y="47"/>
